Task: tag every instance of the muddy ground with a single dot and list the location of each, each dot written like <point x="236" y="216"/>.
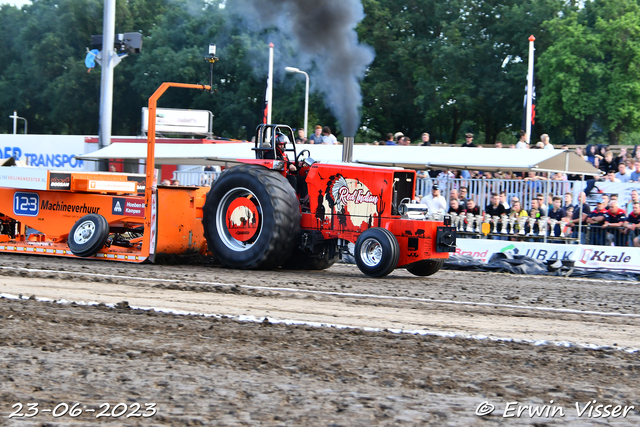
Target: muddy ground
<point x="220" y="371"/>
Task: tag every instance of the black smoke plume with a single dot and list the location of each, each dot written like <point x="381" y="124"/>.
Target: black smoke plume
<point x="324" y="31"/>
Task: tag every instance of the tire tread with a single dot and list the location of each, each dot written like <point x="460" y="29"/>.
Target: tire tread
<point x="286" y="215"/>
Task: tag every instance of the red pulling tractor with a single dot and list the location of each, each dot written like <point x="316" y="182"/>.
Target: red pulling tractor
<point x="280" y="209"/>
<point x="284" y="209"/>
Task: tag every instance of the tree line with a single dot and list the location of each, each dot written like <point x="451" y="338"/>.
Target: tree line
<point x="446" y="67"/>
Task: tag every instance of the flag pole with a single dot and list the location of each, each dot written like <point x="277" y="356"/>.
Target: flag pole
<point x="270" y="85"/>
<point x="530" y="88"/>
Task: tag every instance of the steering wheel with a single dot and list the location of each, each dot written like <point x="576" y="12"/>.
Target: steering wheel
<point x="302" y="158"/>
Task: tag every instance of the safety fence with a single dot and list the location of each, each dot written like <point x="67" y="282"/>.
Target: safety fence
<point x="588" y="235"/>
<point x="480" y="189"/>
<point x="196" y="176"/>
<point x="530" y="229"/>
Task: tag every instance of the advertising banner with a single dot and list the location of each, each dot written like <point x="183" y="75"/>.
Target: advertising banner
<point x="174" y="120"/>
<point x="613" y="258"/>
<point x="622" y="190"/>
<point x="26" y="178"/>
<point x="44" y="151"/>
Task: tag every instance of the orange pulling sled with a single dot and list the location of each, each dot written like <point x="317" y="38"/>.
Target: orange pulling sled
<point x="115" y="216"/>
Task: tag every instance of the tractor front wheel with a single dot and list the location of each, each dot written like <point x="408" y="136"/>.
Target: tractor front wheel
<point x="88" y="235"/>
<point x="251" y="218"/>
<point x="377" y="252"/>
<point x="426" y="267"/>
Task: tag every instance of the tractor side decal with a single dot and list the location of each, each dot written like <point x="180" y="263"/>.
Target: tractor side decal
<point x="58" y="206"/>
<point x="26" y="204"/>
<point x="349" y="201"/>
<point x="127" y="206"/>
<point x="59" y="181"/>
<point x="243" y="219"/>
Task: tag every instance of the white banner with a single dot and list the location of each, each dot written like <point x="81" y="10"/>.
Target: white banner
<point x="622" y="190"/>
<point x="613" y="258"/>
<point x="178" y="121"/>
<point x="44" y="151"/>
<point x="25" y="178"/>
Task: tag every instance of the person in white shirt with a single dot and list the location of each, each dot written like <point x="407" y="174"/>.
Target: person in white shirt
<point x="522" y="144"/>
<point x="545" y="140"/>
<point x="444" y="176"/>
<point x="623" y="174"/>
<point x="503" y="201"/>
<point x="611" y="176"/>
<point x="328" y="138"/>
<point x="434" y="201"/>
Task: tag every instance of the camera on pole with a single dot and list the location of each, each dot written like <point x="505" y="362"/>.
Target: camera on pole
<point x="123" y="43"/>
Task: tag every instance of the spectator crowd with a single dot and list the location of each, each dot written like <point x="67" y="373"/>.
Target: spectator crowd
<point x="608" y="223"/>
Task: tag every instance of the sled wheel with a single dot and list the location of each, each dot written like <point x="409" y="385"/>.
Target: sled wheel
<point x="426" y="267"/>
<point x="306" y="261"/>
<point x="377" y="252"/>
<point x="88" y="235"/>
<point x="251" y="218"/>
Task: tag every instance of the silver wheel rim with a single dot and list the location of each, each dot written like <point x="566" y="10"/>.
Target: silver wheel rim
<point x="371" y="252"/>
<point x="84" y="232"/>
<point x="221" y="221"/>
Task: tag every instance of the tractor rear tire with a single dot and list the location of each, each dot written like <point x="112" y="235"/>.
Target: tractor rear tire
<point x="88" y="235"/>
<point x="265" y="239"/>
<point x="426" y="267"/>
<point x="377" y="252"/>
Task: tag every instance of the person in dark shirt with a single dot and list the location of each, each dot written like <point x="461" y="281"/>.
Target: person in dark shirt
<point x="472" y="208"/>
<point x="633" y="225"/>
<point x="425" y="140"/>
<point x="468" y="140"/>
<point x="301" y="138"/>
<point x="495" y="208"/>
<point x="557" y="213"/>
<point x="575" y="218"/>
<point x="608" y="163"/>
<point x="614" y="222"/>
<point x="454" y="206"/>
<point x="596" y="220"/>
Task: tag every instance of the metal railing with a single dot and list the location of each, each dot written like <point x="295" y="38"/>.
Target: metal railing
<point x="196" y="176"/>
<point x="481" y="189"/>
<point x="591" y="234"/>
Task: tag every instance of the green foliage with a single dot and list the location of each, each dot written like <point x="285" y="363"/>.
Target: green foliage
<point x="591" y="72"/>
<point x="440" y="65"/>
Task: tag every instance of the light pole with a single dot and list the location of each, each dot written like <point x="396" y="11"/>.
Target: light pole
<point x="15" y="118"/>
<point x="306" y="98"/>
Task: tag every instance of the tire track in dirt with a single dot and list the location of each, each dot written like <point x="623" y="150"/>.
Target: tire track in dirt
<point x="208" y="371"/>
<point x="411" y="315"/>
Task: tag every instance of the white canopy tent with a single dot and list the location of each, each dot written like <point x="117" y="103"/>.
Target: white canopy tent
<point x="419" y="158"/>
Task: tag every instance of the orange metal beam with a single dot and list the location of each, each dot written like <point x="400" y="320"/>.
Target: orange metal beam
<point x="151" y="161"/>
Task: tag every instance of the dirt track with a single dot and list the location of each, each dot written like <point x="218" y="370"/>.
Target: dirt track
<point x="204" y="370"/>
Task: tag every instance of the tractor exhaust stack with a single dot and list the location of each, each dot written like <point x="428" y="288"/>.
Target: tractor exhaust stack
<point x="347" y="149"/>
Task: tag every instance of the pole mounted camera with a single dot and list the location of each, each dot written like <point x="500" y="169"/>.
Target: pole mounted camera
<point x="123" y="43"/>
<point x="211" y="58"/>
